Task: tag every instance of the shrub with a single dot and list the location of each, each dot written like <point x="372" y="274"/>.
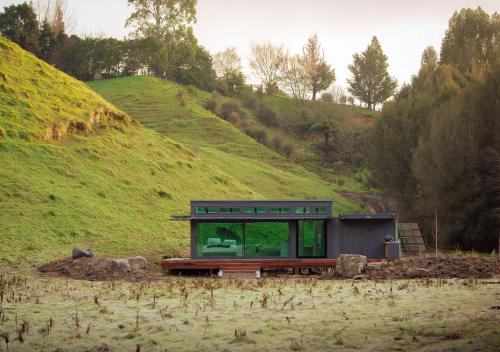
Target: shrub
<point x="234" y="118"/>
<point x="288" y="150"/>
<point x="250" y="99"/>
<point x="267" y="116"/>
<point x="277" y="143"/>
<point x="2" y="133"/>
<point x="231" y="107"/>
<point x="212" y="105"/>
<point x="258" y="134"/>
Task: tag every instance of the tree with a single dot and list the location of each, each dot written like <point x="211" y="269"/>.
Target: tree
<point x="429" y="57"/>
<point x="293" y="78"/>
<point x="47" y="41"/>
<point x="267" y="60"/>
<point x="234" y="81"/>
<point x="226" y="61"/>
<point x="18" y="23"/>
<point x="161" y="19"/>
<point x="318" y="73"/>
<point x="227" y="66"/>
<point x="472" y="37"/>
<point x="370" y="82"/>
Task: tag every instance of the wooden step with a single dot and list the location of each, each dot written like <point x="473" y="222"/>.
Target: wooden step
<point x="239" y="270"/>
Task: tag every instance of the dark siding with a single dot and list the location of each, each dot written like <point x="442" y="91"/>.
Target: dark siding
<point x="364" y="237"/>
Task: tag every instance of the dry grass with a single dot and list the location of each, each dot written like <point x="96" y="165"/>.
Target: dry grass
<point x="193" y="314"/>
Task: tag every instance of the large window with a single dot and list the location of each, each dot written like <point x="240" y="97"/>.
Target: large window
<point x="266" y="239"/>
<point x="311" y="239"/>
<point x="220" y="240"/>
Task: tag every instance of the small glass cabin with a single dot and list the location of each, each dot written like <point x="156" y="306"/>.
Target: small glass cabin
<point x="265" y="229"/>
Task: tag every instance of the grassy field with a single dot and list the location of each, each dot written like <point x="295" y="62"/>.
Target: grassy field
<point x="77" y="171"/>
<point x="301" y="314"/>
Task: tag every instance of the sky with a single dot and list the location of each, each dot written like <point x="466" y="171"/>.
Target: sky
<point x="403" y="27"/>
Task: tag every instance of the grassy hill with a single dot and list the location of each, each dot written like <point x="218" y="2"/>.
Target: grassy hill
<point x="77" y="171"/>
<point x="178" y="112"/>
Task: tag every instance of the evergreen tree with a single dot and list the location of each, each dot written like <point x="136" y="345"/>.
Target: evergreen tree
<point x="472" y="38"/>
<point x="370" y="81"/>
<point x="19" y="24"/>
<point x="47" y="41"/>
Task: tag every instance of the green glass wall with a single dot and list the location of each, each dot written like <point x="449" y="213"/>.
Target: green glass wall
<point x="311" y="239"/>
<point x="266" y="239"/>
<point x="220" y="240"/>
<point x="252" y="239"/>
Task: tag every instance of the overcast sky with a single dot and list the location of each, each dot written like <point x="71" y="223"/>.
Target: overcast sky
<point x="404" y="28"/>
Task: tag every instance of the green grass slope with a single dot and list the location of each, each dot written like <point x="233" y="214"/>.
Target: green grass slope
<point x="76" y="171"/>
<point x="177" y="112"/>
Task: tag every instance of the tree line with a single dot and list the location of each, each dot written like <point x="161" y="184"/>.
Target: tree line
<point x="162" y="44"/>
<point x="437" y="145"/>
<point x="171" y="52"/>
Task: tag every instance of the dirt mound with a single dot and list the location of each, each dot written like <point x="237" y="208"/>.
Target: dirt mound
<point x="89" y="269"/>
<point x="452" y="266"/>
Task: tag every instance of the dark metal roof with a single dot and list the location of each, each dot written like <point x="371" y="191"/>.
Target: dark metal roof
<point x="262" y="202"/>
<point x="375" y="216"/>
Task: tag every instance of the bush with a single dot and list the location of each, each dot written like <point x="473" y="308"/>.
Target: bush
<point x="212" y="105"/>
<point x="267" y="116"/>
<point x="234" y="118"/>
<point x="277" y="143"/>
<point x="250" y="99"/>
<point x="2" y="133"/>
<point x="258" y="134"/>
<point x="231" y="107"/>
<point x="288" y="150"/>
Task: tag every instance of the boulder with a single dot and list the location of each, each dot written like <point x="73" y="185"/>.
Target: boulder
<point x="138" y="263"/>
<point x="350" y="265"/>
<point x="82" y="253"/>
<point x="112" y="266"/>
<point x="124" y="265"/>
<point x="105" y="265"/>
<point x="417" y="272"/>
<point x="360" y="277"/>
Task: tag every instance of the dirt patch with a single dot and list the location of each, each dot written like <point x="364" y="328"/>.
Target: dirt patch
<point x="86" y="269"/>
<point x="452" y="266"/>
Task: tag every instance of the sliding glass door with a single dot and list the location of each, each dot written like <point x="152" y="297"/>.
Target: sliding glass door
<point x="311" y="239"/>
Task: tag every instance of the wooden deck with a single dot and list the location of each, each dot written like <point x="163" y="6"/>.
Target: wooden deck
<point x="244" y="264"/>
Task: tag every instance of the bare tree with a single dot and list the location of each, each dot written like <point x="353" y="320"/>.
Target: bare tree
<point x="56" y="13"/>
<point x="226" y="61"/>
<point x="293" y="78"/>
<point x="267" y="60"/>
